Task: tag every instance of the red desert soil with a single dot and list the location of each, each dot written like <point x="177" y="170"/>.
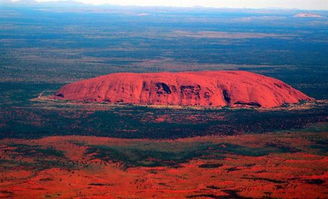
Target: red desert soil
<point x="205" y="88"/>
<point x="276" y="175"/>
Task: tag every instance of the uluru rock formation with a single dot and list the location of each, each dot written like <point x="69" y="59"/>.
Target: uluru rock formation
<point x="205" y="88"/>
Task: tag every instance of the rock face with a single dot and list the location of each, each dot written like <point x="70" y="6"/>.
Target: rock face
<point x="206" y="88"/>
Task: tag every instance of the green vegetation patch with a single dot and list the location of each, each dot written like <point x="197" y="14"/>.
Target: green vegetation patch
<point x="131" y="156"/>
<point x="321" y="146"/>
<point x="39" y="158"/>
<point x="243" y="150"/>
<point x="165" y="153"/>
<point x="36" y="151"/>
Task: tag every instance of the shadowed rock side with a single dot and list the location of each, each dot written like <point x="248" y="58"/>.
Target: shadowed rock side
<point x="206" y="88"/>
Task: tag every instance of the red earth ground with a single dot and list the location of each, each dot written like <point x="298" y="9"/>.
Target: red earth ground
<point x="301" y="174"/>
<point x="205" y="88"/>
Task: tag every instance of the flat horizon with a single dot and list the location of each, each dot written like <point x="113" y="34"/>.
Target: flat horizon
<point x="311" y="7"/>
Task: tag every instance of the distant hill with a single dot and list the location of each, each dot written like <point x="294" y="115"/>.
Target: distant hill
<point x="307" y="15"/>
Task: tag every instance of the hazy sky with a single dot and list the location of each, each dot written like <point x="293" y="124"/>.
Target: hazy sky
<point x="298" y="4"/>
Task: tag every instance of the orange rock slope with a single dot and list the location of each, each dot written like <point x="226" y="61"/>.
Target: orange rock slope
<point x="205" y="88"/>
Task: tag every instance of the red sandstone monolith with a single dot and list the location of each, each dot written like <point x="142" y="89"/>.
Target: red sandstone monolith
<point x="204" y="88"/>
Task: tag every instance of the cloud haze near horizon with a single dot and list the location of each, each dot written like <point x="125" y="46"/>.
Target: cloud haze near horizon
<point x="286" y="4"/>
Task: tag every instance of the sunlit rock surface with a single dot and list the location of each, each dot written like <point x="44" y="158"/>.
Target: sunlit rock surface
<point x="204" y="88"/>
